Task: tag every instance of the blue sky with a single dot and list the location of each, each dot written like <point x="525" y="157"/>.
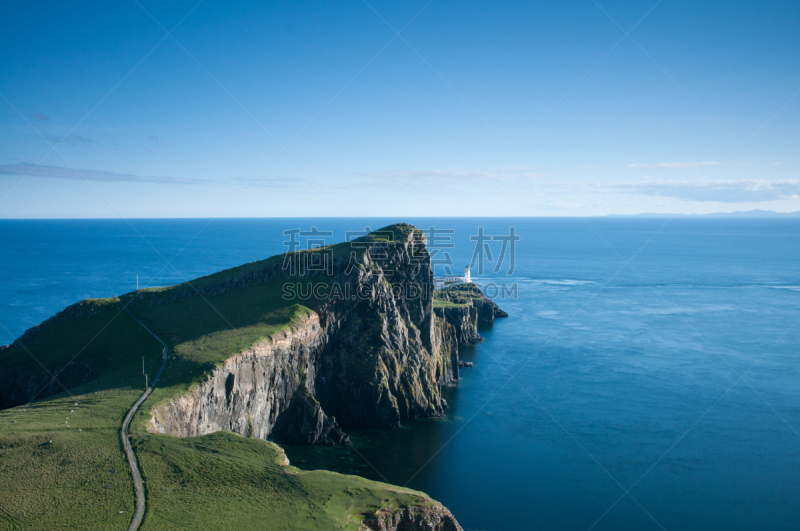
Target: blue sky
<point x="321" y="108"/>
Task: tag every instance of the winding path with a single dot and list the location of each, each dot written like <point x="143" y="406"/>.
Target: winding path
<point x="137" y="478"/>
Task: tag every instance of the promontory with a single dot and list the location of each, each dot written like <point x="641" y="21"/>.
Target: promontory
<point x="294" y="349"/>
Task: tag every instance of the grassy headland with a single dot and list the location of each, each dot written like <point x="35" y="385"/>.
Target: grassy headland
<point x="59" y="452"/>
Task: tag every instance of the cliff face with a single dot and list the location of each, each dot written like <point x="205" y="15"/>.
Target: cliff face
<point x="256" y="390"/>
<point x="487" y="309"/>
<point x="23" y="384"/>
<point x="381" y="363"/>
<point x="470" y="310"/>
<point x="446" y="343"/>
<point x="464" y="320"/>
<point x="432" y="518"/>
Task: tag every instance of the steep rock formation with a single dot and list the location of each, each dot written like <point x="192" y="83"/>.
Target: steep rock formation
<point x="488" y="310"/>
<point x="22" y="384"/>
<point x="372" y="357"/>
<point x="304" y="422"/>
<point x="473" y="309"/>
<point x="253" y="391"/>
<point x="464" y="320"/>
<point x="446" y="343"/>
<point x="380" y="364"/>
<point x="433" y="517"/>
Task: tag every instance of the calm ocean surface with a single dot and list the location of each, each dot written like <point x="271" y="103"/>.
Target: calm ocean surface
<point x="648" y="374"/>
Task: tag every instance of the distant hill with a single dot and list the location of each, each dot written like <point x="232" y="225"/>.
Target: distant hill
<point x="737" y="214"/>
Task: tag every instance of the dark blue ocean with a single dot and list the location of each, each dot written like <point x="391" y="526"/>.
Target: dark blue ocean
<point x="648" y="376"/>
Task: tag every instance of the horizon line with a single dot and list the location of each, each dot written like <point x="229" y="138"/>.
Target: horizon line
<point x="751" y="213"/>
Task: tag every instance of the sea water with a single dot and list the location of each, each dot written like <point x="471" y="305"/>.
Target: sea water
<point x="647" y="376"/>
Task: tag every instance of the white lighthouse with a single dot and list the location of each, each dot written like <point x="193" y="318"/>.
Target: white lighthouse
<point x="441" y="282"/>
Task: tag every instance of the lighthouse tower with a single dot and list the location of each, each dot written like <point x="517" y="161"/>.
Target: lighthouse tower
<point x="466" y="275"/>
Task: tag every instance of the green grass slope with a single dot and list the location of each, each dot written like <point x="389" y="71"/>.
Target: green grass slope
<point x="223" y="480"/>
<point x="56" y="454"/>
<point x="204" y="331"/>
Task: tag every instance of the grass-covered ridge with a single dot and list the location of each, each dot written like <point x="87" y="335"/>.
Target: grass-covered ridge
<point x="223" y="480"/>
<point x="203" y="331"/>
<point x="57" y="453"/>
<point x="456" y="296"/>
<point x="440" y="303"/>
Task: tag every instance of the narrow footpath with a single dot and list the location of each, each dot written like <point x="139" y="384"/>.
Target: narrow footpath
<point x="137" y="478"/>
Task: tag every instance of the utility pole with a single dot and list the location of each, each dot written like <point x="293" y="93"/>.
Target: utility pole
<point x="145" y="382"/>
<point x="106" y="488"/>
<point x="137" y="282"/>
<point x="143" y="365"/>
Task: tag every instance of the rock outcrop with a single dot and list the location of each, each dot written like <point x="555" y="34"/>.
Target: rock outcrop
<point x="304" y="422"/>
<point x="23" y="383"/>
<point x="488" y="310"/>
<point x="373" y="357"/>
<point x="464" y="320"/>
<point x="466" y="309"/>
<point x="252" y="392"/>
<point x="380" y="364"/>
<point x="446" y="343"/>
<point x="432" y="517"/>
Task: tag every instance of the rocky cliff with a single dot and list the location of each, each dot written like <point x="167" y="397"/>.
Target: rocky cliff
<point x="373" y="357"/>
<point x="465" y="307"/>
<point x="253" y="392"/>
<point x="463" y="319"/>
<point x="434" y="517"/>
<point x="372" y="353"/>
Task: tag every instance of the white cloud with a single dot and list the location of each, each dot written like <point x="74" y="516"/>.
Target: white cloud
<point x="278" y="182"/>
<point x="72" y="140"/>
<point x="448" y="176"/>
<point x="59" y="172"/>
<point x="677" y="164"/>
<point x="729" y="191"/>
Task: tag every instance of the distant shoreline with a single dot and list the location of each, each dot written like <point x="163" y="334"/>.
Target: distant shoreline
<point x="737" y="214"/>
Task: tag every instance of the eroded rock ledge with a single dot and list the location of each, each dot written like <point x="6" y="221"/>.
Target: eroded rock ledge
<point x="434" y="517"/>
<point x="252" y="392"/>
<point x="466" y="308"/>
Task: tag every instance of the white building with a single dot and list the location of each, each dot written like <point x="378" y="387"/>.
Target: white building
<point x="441" y="282"/>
